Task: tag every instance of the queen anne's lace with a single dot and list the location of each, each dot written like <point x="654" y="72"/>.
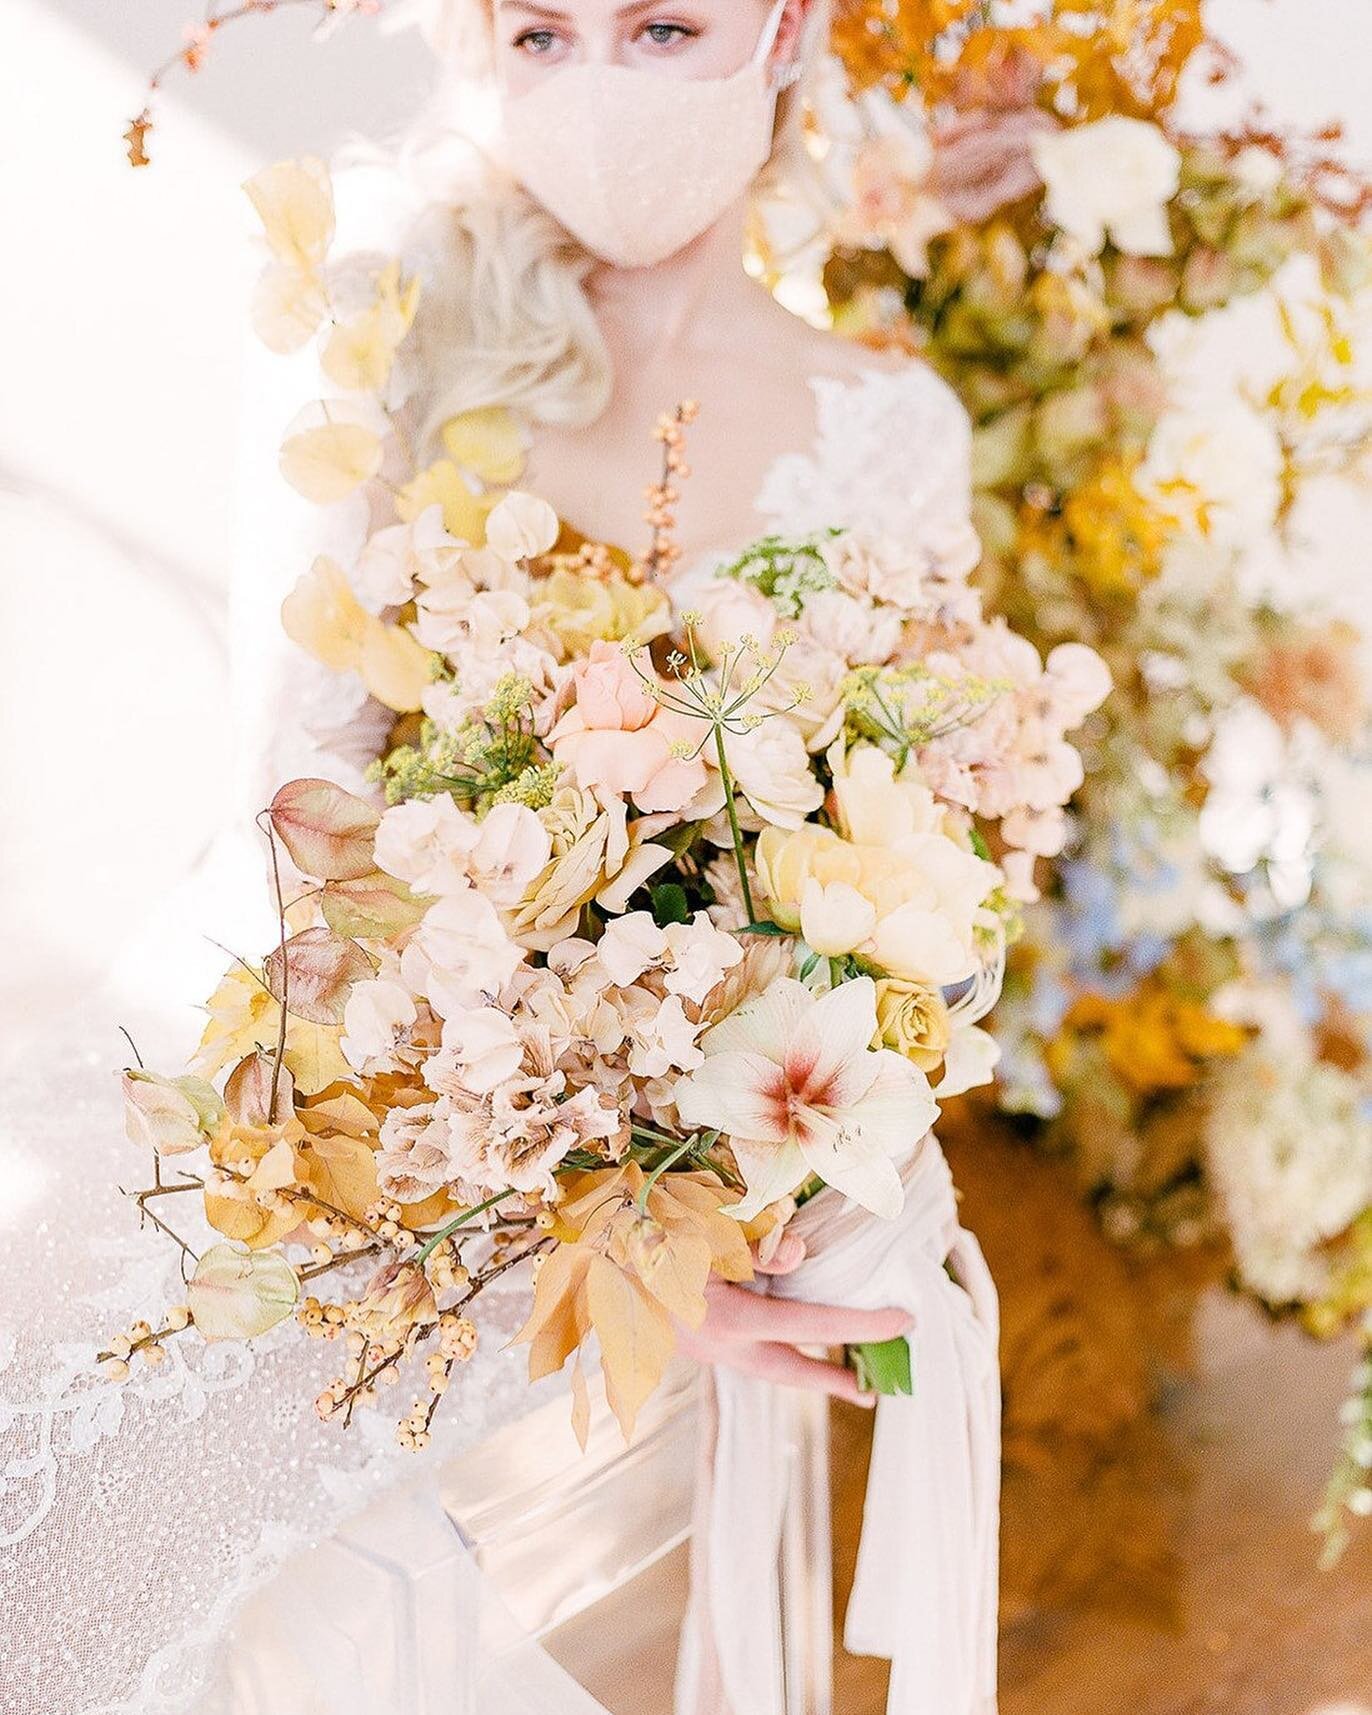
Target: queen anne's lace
<point x="135" y="1520"/>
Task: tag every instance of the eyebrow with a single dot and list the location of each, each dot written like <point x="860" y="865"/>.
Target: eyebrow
<point x="543" y="11"/>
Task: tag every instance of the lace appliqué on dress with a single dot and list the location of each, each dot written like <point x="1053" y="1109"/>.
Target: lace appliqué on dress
<point x="892" y="456"/>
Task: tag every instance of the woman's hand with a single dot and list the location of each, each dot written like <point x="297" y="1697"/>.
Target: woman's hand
<point x="759" y="1335"/>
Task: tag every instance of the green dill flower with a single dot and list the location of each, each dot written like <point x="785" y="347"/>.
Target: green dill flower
<point x="902" y="708"/>
<point x="534" y="787"/>
<point x="492" y="754"/>
<point x="786" y="572"/>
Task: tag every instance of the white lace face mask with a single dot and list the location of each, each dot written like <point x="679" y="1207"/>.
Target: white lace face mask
<point x="636" y="163"/>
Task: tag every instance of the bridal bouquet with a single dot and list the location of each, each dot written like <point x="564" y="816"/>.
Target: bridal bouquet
<point x="653" y="925"/>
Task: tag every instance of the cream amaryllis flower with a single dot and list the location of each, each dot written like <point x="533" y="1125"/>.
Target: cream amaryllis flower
<point x="792" y="1082"/>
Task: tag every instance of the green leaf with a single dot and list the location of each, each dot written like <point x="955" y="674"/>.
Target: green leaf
<point x="882" y="1366"/>
<point x="763" y="929"/>
<point x="670" y="904"/>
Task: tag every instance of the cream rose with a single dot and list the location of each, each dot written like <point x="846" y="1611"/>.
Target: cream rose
<point x="1112" y="179"/>
<point x="912" y="1019"/>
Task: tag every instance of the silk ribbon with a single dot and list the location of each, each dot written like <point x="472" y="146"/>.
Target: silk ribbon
<point x="925" y="1591"/>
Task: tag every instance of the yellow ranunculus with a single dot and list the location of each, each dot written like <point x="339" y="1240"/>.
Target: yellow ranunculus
<point x="922" y="888"/>
<point x="580" y="611"/>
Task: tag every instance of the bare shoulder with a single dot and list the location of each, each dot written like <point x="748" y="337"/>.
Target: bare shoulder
<point x="803" y="348"/>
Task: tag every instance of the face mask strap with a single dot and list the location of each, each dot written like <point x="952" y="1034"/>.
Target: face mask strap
<point x="767" y="41"/>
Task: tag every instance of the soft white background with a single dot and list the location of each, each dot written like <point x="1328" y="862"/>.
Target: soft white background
<point x="121" y="305"/>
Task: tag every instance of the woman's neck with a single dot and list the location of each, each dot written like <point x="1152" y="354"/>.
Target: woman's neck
<point x="677" y="305"/>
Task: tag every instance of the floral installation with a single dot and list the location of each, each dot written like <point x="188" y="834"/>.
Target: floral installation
<point x="651" y="928"/>
<point x="1165" y="343"/>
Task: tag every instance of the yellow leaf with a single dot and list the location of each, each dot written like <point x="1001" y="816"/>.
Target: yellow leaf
<point x="396" y="668"/>
<point x="236" y="1296"/>
<point x="442" y="484"/>
<point x="237" y="1216"/>
<point x="559" y="1320"/>
<point x="328" y="462"/>
<point x="374" y="907"/>
<point x="636" y="1338"/>
<point x="489" y="443"/>
<point x="248" y="1090"/>
<point x="287" y="307"/>
<point x="432" y="1212"/>
<point x="581" y="1405"/>
<point x="315" y="972"/>
<point x="341" y="1170"/>
<point x="313" y="1056"/>
<point x="324" y="617"/>
<point x="591" y="1199"/>
<point x="338" y="1109"/>
<point x="294" y="201"/>
<point x="276" y="1169"/>
<point x="359" y="354"/>
<point x="243" y="1016"/>
<point x="703" y="1200"/>
<point x="672" y="1260"/>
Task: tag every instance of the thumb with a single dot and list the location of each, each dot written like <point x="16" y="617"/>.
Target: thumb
<point x="786" y="1258"/>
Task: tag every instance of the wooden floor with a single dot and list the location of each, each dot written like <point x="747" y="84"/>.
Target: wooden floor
<point x="1233" y="1617"/>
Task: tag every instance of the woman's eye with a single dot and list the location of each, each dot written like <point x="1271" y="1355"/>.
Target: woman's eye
<point x="668" y="35"/>
<point x="536" y="42"/>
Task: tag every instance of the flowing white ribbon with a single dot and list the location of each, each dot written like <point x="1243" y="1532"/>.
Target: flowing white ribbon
<point x="925" y="1592"/>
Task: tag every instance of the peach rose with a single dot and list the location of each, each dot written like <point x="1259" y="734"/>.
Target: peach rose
<point x="618" y="740"/>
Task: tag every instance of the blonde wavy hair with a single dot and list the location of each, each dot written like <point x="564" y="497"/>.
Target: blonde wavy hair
<point x="505" y="317"/>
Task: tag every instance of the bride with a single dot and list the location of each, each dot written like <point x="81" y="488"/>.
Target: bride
<point x="588" y="276"/>
<point x="584" y="272"/>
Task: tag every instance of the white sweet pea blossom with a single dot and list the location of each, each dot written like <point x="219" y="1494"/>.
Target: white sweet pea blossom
<point x="481" y="1047"/>
<point x="427" y="843"/>
<point x="521" y="527"/>
<point x="512" y="847"/>
<point x="1114" y="179"/>
<point x="694" y="956"/>
<point x="460" y="955"/>
<point x="663" y="1040"/>
<point x="402" y="554"/>
<point x="700" y="955"/>
<point x="438" y="848"/>
<point x="793" y="1083"/>
<point x="375" y="1020"/>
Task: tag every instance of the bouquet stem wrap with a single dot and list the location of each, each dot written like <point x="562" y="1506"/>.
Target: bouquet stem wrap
<point x="925" y="1590"/>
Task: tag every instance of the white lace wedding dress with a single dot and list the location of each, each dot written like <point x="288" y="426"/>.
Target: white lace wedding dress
<point x="135" y="1520"/>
